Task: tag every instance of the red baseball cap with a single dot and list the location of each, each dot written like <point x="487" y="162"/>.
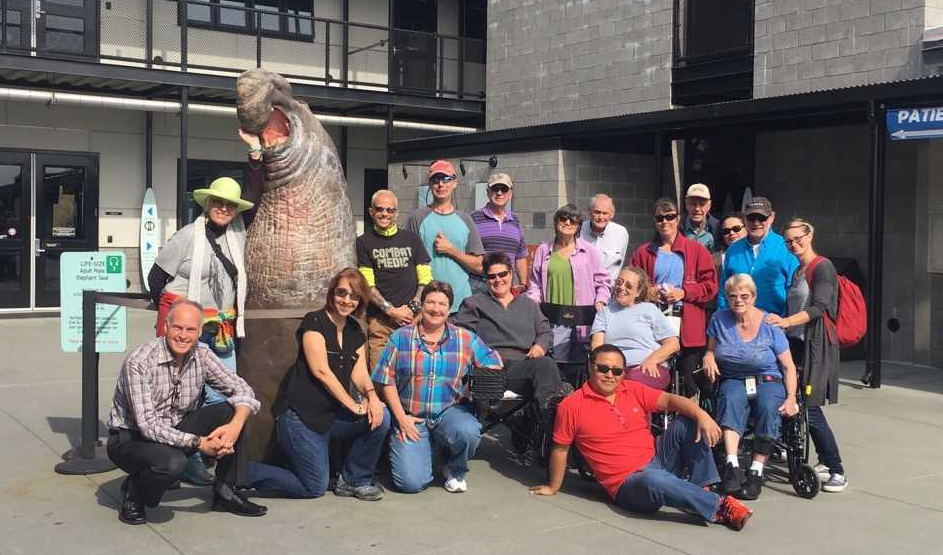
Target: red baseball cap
<point x="442" y="166"/>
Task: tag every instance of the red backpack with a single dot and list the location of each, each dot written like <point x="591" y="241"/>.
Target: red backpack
<point x="851" y="323"/>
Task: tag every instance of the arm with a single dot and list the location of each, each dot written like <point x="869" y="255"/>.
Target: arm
<point x="315" y="351"/>
<point x="520" y="266"/>
<point x="601" y="281"/>
<point x="253" y="176"/>
<point x="706" y="427"/>
<point x="709" y="362"/>
<point x="789" y="407"/>
<point x="405" y="422"/>
<point x="227" y="382"/>
<point x="704" y="288"/>
<point x="535" y="284"/>
<point x="544" y="330"/>
<point x="669" y="346"/>
<point x="467" y="315"/>
<point x="157" y="280"/>
<point x="361" y="380"/>
<point x="596" y="339"/>
<point x="558" y="456"/>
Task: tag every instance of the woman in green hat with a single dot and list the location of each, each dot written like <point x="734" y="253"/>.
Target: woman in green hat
<point x="216" y="241"/>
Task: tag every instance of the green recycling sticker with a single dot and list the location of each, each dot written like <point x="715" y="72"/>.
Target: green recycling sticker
<point x="113" y="264"/>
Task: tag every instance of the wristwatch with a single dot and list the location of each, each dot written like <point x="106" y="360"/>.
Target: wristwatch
<point x="414" y="305"/>
<point x="195" y="444"/>
<point x="386" y="307"/>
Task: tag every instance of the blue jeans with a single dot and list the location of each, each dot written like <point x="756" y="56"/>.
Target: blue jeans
<point x="733" y="407"/>
<point x="307" y="453"/>
<point x="660" y="482"/>
<point x="565" y="347"/>
<point x="824" y="440"/>
<point x="456" y="432"/>
<point x="212" y="396"/>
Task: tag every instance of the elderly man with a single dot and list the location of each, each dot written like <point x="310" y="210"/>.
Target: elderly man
<point x="610" y="238"/>
<point x="500" y="230"/>
<point x="155" y="423"/>
<point x="513" y="326"/>
<point x="698" y="224"/>
<point x="449" y="235"/>
<point x="396" y="266"/>
<point x="763" y="255"/>
<point x="422" y="371"/>
<point x="608" y="419"/>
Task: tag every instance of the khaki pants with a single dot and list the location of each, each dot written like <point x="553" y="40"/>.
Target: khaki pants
<point x="379" y="329"/>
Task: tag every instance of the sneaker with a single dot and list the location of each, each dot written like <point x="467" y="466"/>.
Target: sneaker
<point x="733" y="479"/>
<point x="369" y="492"/>
<point x="196" y="472"/>
<point x="453" y="484"/>
<point x="752" y="488"/>
<point x="822" y="472"/>
<point x="835" y="484"/>
<point x="732" y="513"/>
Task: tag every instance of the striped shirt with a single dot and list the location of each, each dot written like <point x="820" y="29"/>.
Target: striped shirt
<point x="498" y="236"/>
<point x="430" y="382"/>
<point x="153" y="396"/>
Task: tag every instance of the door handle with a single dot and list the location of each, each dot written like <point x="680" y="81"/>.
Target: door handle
<point x="38" y="8"/>
<point x="37" y="246"/>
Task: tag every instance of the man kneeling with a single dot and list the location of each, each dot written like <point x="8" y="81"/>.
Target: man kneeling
<point x="155" y="423"/>
<point x="608" y="418"/>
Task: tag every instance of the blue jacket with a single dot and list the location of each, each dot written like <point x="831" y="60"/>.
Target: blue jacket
<point x="772" y="270"/>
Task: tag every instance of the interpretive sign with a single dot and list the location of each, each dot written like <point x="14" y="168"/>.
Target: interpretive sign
<point x="98" y="271"/>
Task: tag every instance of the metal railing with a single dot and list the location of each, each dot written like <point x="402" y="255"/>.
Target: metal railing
<point x="203" y="37"/>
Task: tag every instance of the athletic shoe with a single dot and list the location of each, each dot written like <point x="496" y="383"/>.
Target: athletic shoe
<point x="732" y="513"/>
<point x="822" y="472"/>
<point x="368" y="492"/>
<point x="733" y="479"/>
<point x="835" y="484"/>
<point x="753" y="486"/>
<point x="453" y="484"/>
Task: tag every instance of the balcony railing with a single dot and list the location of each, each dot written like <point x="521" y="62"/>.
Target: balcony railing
<point x="203" y="37"/>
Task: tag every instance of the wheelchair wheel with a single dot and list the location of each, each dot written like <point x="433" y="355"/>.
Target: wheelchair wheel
<point x="806" y="482"/>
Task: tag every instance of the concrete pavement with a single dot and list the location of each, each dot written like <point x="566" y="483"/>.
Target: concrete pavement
<point x="890" y="440"/>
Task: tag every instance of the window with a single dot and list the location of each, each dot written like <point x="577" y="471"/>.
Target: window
<point x="288" y="19"/>
<point x="475" y="26"/>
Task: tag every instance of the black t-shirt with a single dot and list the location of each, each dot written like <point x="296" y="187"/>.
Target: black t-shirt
<point x="394" y="260"/>
<point x="307" y="395"/>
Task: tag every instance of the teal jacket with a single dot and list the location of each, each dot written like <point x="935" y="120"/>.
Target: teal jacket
<point x="772" y="270"/>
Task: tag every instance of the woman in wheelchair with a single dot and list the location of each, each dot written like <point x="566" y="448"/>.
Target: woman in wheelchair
<point x="751" y="360"/>
<point x="638" y="328"/>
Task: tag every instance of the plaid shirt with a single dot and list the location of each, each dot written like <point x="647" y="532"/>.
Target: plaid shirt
<point x="152" y="396"/>
<point x="428" y="382"/>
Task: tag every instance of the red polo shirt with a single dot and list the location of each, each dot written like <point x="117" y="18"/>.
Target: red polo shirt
<point x="614" y="439"/>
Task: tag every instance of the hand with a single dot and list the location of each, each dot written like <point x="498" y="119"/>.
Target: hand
<point x="674" y="295"/>
<point x="776" y="320"/>
<point x="600" y="305"/>
<point x="407" y="429"/>
<point x="443" y="245"/>
<point x="227" y="434"/>
<point x="650" y="367"/>
<point x="211" y="447"/>
<point x="710" y="367"/>
<point x="402" y="315"/>
<point x="374" y="411"/>
<point x="543" y="490"/>
<point x="708" y="429"/>
<point x="252" y="141"/>
<point x="536" y="351"/>
<point x="789" y="407"/>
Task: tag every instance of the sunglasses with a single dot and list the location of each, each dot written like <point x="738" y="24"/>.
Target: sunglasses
<point x="729" y="230"/>
<point x="666" y="217"/>
<point x="796" y="240"/>
<point x="615" y="370"/>
<point x="622" y="283"/>
<point x="497" y="275"/>
<point x="499" y="188"/>
<point x="387" y="209"/>
<point x="568" y="220"/>
<point x="441" y="179"/>
<point x="342" y="293"/>
<point x="756" y="218"/>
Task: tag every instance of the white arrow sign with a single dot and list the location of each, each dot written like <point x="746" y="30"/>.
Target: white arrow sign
<point x="922" y="134"/>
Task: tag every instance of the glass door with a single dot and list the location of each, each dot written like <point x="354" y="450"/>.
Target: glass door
<point x="14" y="230"/>
<point x="66" y="216"/>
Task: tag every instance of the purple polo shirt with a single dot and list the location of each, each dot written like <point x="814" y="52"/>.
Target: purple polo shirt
<point x="498" y="236"/>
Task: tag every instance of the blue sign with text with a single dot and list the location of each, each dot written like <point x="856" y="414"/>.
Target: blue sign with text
<point x="915" y="123"/>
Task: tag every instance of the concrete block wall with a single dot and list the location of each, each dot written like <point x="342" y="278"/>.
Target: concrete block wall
<point x="808" y="45"/>
<point x="551" y="61"/>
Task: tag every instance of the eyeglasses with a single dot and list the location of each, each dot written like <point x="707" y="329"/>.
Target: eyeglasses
<point x="756" y="218"/>
<point x="733" y="229"/>
<point x="387" y="209"/>
<point x="342" y="293"/>
<point x="497" y="275"/>
<point x="623" y="283"/>
<point x="663" y="217"/>
<point x="796" y="240"/>
<point x="441" y="178"/>
<point x="221" y="204"/>
<point x="499" y="188"/>
<point x="603" y="369"/>
<point x="742" y="296"/>
<point x="568" y="220"/>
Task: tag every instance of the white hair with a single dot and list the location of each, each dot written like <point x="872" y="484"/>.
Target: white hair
<point x="600" y="197"/>
<point x="740" y="281"/>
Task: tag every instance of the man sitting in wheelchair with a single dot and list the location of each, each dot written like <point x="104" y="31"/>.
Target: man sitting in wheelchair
<point x="751" y="360"/>
<point x="607" y="418"/>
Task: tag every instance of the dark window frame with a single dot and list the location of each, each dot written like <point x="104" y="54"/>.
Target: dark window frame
<point x="249" y="28"/>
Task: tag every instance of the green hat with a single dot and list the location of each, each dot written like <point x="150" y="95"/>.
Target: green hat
<point x="225" y="188"/>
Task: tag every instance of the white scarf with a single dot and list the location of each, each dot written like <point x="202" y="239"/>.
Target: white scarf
<point x="200" y="242"/>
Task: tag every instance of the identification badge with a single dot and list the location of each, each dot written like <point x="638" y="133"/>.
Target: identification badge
<point x="750" y="384"/>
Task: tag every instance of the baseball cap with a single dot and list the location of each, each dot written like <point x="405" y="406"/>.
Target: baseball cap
<point x="442" y="166"/>
<point x="500" y="177"/>
<point x="698" y="190"/>
<point x="759" y="205"/>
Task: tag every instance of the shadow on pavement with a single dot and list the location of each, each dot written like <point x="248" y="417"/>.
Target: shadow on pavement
<point x="71" y="427"/>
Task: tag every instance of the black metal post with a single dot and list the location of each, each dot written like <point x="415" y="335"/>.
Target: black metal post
<point x="659" y="164"/>
<point x="389" y="125"/>
<point x="343" y="150"/>
<point x="3" y="24"/>
<point x="89" y="456"/>
<point x="461" y="68"/>
<point x="182" y="165"/>
<point x="258" y="38"/>
<point x="327" y="53"/>
<point x="389" y="47"/>
<point x="184" y="13"/>
<point x="148" y="150"/>
<point x="872" y="372"/>
<point x="149" y="34"/>
<point x="344" y="60"/>
<point x="441" y="66"/>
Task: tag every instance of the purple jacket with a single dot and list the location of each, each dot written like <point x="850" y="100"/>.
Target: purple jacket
<point x="590" y="278"/>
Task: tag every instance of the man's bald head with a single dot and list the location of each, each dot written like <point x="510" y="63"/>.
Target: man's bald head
<point x="601" y="211"/>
